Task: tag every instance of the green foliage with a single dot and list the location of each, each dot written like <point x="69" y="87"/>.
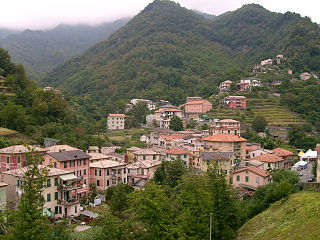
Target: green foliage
<point x="170" y="173"/>
<point x="140" y="111"/>
<point x="191" y="124"/>
<point x="259" y="124"/>
<point x="298" y="138"/>
<point x="176" y="124"/>
<point x="205" y="126"/>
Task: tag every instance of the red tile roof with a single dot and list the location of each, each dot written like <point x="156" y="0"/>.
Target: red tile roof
<point x="116" y="115"/>
<point x="224" y="138"/>
<point x="169" y="110"/>
<point x="197" y="102"/>
<point x="268" y="157"/>
<point x="281" y="152"/>
<point x="170" y="137"/>
<point x="255" y="170"/>
<point x="176" y="151"/>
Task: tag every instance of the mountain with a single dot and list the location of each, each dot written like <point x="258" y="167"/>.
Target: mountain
<point x="170" y="52"/>
<point x="42" y="51"/>
<point x="4" y="32"/>
<point x="205" y="15"/>
<point x="294" y="218"/>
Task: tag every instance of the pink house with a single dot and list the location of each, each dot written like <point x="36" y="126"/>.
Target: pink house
<point x="107" y="173"/>
<point x="194" y="108"/>
<point x="250" y="178"/>
<point x="235" y="102"/>
<point x="75" y="161"/>
<point x="14" y="157"/>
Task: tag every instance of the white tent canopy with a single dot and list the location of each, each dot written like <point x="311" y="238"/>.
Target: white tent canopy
<point x="309" y="155"/>
<point x="301" y="163"/>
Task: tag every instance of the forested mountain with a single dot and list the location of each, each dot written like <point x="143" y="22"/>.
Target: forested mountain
<point x="4" y="32"/>
<point x="169" y="52"/>
<point x="42" y="51"/>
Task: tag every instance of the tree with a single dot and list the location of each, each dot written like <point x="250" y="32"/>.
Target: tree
<point x="259" y="124"/>
<point x="140" y="111"/>
<point x="205" y="126"/>
<point x="170" y="173"/>
<point x="28" y="222"/>
<point x="176" y="124"/>
<point x="191" y="124"/>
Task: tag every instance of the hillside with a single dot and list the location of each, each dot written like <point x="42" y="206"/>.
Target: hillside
<point x="296" y="218"/>
<point x="42" y="51"/>
<point x="169" y="52"/>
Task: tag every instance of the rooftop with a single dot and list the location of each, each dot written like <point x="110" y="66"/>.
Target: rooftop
<point x="69" y="155"/>
<point x="116" y="115"/>
<point x="145" y="152"/>
<point x="229" y="120"/>
<point x="20" y="149"/>
<point x="144" y="164"/>
<point x="171" y="137"/>
<point x="106" y="164"/>
<point x="134" y="149"/>
<point x="242" y="97"/>
<point x="219" y="156"/>
<point x="196" y="102"/>
<point x="268" y="157"/>
<point x="255" y="170"/>
<point x="60" y="148"/>
<point x="176" y="151"/>
<point x="224" y="138"/>
<point x="97" y="156"/>
<point x="281" y="152"/>
<point x="19" y="172"/>
<point x="255" y="163"/>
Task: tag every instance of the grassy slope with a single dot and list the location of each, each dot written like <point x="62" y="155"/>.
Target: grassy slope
<point x="296" y="218"/>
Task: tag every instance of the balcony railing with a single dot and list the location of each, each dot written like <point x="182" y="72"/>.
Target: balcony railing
<point x="68" y="202"/>
<point x="69" y="187"/>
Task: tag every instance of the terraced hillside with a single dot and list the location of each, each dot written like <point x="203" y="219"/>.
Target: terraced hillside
<point x="295" y="218"/>
<point x="278" y="117"/>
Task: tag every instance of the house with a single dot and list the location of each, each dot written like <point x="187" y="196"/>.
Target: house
<point x="279" y="58"/>
<point x="178" y="153"/>
<point x="48" y="142"/>
<point x="155" y="135"/>
<point x="48" y="88"/>
<point x="195" y="108"/>
<point x="257" y="152"/>
<point x="75" y="161"/>
<point x="268" y="61"/>
<point x="163" y="116"/>
<point x="93" y="149"/>
<point x="250" y="178"/>
<point x="228" y="126"/>
<point x="145" y="138"/>
<point x="195" y="159"/>
<point x="146" y="154"/>
<point x="285" y="155"/>
<point x="225" y="86"/>
<point x="223" y="161"/>
<point x="239" y="102"/>
<point x="251" y="147"/>
<point x="305" y="76"/>
<point x="248" y="83"/>
<point x="115" y="121"/>
<point x="255" y="163"/>
<point x="96" y="156"/>
<point x="226" y="143"/>
<point x="139" y="173"/>
<point x="129" y="153"/>
<point x="107" y="173"/>
<point x="3" y="196"/>
<point x="150" y="105"/>
<point x="61" y="191"/>
<point x="272" y="161"/>
<point x="167" y="141"/>
<point x="14" y="157"/>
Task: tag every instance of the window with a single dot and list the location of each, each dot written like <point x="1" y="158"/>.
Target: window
<point x="98" y="182"/>
<point x="65" y="165"/>
<point x="85" y="172"/>
<point x="124" y="171"/>
<point x="84" y="162"/>
<point x="99" y="172"/>
<point x="124" y="180"/>
<point x="49" y="197"/>
<point x="269" y="165"/>
<point x="8" y="159"/>
<point x="119" y="171"/>
<point x="108" y="172"/>
<point x="55" y="165"/>
<point x="185" y="155"/>
<point x="85" y="181"/>
<point x="56" y="210"/>
<point x="247" y="178"/>
<point x="75" y="209"/>
<point x="19" y="159"/>
<point x="96" y="172"/>
<point x="108" y="183"/>
<point x="18" y="183"/>
<point x="144" y="157"/>
<point x="56" y="196"/>
<point x="128" y="170"/>
<point x="238" y="178"/>
<point x="154" y="157"/>
<point x="56" y="181"/>
<point x="49" y="183"/>
<point x="257" y="179"/>
<point x="70" y="164"/>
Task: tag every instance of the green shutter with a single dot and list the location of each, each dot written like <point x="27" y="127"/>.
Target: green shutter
<point x="247" y="178"/>
<point x="238" y="178"/>
<point x="56" y="196"/>
<point x="49" y="197"/>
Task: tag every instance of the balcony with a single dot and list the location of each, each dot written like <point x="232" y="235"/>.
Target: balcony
<point x="68" y="202"/>
<point x="69" y="187"/>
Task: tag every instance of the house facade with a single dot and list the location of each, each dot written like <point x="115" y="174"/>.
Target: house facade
<point x="61" y="192"/>
<point x="228" y="126"/>
<point x="178" y="153"/>
<point x="195" y="108"/>
<point x="139" y="173"/>
<point x="75" y="161"/>
<point x="250" y="178"/>
<point x="238" y="102"/>
<point x="146" y="154"/>
<point x="226" y="143"/>
<point x="107" y="173"/>
<point x="115" y="121"/>
<point x="272" y="161"/>
<point x="248" y="83"/>
<point x="3" y="196"/>
<point x="225" y="86"/>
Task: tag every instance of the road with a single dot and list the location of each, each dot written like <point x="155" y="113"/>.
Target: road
<point x="307" y="173"/>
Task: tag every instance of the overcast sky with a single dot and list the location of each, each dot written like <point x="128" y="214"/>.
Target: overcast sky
<point x="44" y="14"/>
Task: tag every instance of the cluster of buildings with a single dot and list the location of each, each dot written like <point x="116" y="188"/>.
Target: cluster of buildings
<point x="51" y="89"/>
<point x="4" y="88"/>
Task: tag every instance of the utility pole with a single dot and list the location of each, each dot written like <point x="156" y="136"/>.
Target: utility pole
<point x="210" y="226"/>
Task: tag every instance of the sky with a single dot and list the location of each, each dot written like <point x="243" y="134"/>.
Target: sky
<point x="46" y="14"/>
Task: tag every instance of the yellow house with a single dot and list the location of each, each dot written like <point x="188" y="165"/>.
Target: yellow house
<point x="130" y="152"/>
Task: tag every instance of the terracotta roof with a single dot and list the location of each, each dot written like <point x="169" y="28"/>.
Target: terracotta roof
<point x="20" y="149"/>
<point x="176" y="151"/>
<point x="134" y="149"/>
<point x="268" y="157"/>
<point x="2" y="184"/>
<point x="224" y="138"/>
<point x="144" y="164"/>
<point x="216" y="156"/>
<point x="106" y="164"/>
<point x="197" y="102"/>
<point x="145" y="152"/>
<point x="229" y="120"/>
<point x="255" y="163"/>
<point x="60" y="148"/>
<point x="236" y="97"/>
<point x="116" y="115"/>
<point x="52" y="171"/>
<point x="169" y="110"/>
<point x="281" y="152"/>
<point x="171" y="137"/>
<point x="98" y="156"/>
<point x="255" y="170"/>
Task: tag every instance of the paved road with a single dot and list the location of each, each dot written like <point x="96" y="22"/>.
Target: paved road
<point x="306" y="173"/>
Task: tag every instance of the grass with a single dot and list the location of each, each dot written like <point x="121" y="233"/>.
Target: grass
<point x="127" y="137"/>
<point x="6" y="132"/>
<point x="295" y="218"/>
